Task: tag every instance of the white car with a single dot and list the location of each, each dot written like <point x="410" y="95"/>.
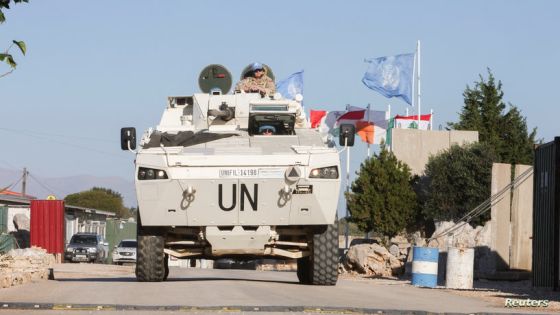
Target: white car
<point x="125" y="252"/>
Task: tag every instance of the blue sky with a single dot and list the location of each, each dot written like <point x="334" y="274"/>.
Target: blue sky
<point x="95" y="66"/>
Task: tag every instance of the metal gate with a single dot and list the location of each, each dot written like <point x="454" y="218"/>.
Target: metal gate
<point x="546" y="216"/>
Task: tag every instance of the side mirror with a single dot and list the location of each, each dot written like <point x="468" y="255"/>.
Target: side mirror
<point x="128" y="138"/>
<point x="347" y="135"/>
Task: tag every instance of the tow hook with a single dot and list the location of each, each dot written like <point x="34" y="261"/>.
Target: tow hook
<point x="189" y="193"/>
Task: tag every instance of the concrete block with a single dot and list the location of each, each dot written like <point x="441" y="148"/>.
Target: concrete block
<point x="414" y="147"/>
<point x="522" y="222"/>
<point x="500" y="228"/>
<point x="462" y="137"/>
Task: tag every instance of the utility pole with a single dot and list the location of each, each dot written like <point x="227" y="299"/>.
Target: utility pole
<point x="24" y="181"/>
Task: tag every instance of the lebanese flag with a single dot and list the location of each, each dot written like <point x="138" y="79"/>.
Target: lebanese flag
<point x="411" y="122"/>
<point x="315" y="117"/>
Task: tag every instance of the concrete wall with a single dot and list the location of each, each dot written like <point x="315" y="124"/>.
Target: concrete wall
<point x="414" y="147"/>
<point x="522" y="222"/>
<point x="512" y="219"/>
<point x="500" y="222"/>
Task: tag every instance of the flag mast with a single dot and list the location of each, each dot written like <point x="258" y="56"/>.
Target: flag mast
<point x="347" y="227"/>
<point x="418" y="92"/>
<point x="368" y="149"/>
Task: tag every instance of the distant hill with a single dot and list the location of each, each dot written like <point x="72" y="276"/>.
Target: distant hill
<point x="63" y="186"/>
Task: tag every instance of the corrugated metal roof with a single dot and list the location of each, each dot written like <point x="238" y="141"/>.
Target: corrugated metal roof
<point x="20" y="200"/>
<point x="91" y="210"/>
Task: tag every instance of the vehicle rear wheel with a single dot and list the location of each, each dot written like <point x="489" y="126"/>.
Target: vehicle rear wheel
<point x="166" y="265"/>
<point x="150" y="260"/>
<point x="303" y="272"/>
<point x="321" y="267"/>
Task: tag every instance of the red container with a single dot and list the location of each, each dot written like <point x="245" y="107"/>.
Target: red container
<point x="47" y="225"/>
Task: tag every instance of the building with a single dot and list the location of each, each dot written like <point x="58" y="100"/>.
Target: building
<point x="77" y="219"/>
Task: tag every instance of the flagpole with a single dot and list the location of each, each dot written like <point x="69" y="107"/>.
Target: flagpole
<point x="347" y="227"/>
<point x="368" y="149"/>
<point x="418" y="92"/>
<point x="431" y="119"/>
<point x="387" y="133"/>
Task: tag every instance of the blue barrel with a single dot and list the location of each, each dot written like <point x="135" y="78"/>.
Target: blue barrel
<point x="424" y="266"/>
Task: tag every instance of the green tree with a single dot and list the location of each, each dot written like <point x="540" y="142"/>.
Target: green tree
<point x="506" y="132"/>
<point x="382" y="198"/>
<point x="456" y="181"/>
<point x="101" y="199"/>
<point x="353" y="229"/>
<point x="6" y="56"/>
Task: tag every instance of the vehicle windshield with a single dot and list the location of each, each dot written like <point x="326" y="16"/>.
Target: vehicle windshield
<point x="128" y="244"/>
<point x="271" y="124"/>
<point x="84" y="239"/>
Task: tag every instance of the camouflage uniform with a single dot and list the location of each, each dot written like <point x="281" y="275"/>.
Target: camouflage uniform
<point x="251" y="84"/>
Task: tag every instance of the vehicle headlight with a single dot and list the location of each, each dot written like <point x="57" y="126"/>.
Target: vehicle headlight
<point x="145" y="173"/>
<point x="69" y="250"/>
<point x="92" y="249"/>
<point x="115" y="252"/>
<point x="330" y="172"/>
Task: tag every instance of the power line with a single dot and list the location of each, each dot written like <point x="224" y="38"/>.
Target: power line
<point x="31" y="132"/>
<point x="10" y="187"/>
<point x="67" y="144"/>
<point x="486" y="204"/>
<point x="47" y="188"/>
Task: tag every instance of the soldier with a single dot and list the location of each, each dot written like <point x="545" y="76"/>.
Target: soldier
<point x="267" y="130"/>
<point x="258" y="81"/>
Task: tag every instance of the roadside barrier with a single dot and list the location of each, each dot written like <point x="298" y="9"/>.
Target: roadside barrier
<point x="460" y="262"/>
<point x="425" y="266"/>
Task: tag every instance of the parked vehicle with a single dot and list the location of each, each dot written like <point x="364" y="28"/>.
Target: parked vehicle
<point x="86" y="247"/>
<point x="125" y="252"/>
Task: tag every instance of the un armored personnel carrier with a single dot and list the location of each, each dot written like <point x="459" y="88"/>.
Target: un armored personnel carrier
<point x="212" y="184"/>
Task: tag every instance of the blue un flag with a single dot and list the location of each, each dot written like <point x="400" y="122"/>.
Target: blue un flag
<point x="291" y="86"/>
<point x="391" y="76"/>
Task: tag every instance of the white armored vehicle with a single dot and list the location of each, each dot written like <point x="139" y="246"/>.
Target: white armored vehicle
<point x="212" y="182"/>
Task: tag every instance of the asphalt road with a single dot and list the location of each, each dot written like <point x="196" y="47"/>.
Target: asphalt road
<point x="114" y="288"/>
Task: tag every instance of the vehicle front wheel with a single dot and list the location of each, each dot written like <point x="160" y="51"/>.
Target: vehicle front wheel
<point x="321" y="267"/>
<point x="150" y="264"/>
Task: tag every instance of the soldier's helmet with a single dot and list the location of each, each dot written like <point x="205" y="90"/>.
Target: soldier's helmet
<point x="257" y="66"/>
<point x="267" y="130"/>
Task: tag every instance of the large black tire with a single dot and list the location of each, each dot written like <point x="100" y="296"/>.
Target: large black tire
<point x="303" y="270"/>
<point x="150" y="264"/>
<point x="150" y="259"/>
<point x="166" y="266"/>
<point x="321" y="267"/>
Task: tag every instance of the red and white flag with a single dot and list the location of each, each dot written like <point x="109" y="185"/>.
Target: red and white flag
<point x="316" y="116"/>
<point x="411" y="122"/>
